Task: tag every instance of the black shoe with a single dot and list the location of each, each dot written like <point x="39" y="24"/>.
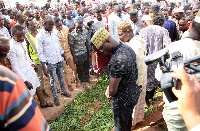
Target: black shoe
<point x="66" y="94"/>
<point x="56" y="101"/>
<point x="45" y="94"/>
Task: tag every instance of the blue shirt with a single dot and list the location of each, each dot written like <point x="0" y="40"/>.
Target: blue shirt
<point x="170" y="25"/>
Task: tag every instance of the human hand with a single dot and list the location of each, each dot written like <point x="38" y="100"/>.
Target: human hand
<point x="46" y="72"/>
<point x="188" y="96"/>
<point x="36" y="69"/>
<point x="28" y="85"/>
<point x="107" y="93"/>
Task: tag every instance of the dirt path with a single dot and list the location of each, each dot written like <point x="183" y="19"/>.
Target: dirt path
<point x="52" y="113"/>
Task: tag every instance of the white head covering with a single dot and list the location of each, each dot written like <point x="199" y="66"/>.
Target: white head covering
<point x="146" y="17"/>
<point x="179" y="9"/>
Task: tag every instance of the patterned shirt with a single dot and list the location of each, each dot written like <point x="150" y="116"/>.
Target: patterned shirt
<point x="78" y="41"/>
<point x="49" y="47"/>
<point x="123" y="65"/>
<point x="18" y="110"/>
<point x="156" y="38"/>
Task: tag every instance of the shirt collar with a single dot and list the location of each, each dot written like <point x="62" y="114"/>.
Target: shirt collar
<point x="119" y="46"/>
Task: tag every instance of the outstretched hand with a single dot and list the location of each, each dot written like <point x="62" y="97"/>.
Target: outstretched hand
<point x="188" y="96"/>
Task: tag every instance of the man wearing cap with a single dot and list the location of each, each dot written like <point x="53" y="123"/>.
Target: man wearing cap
<point x="178" y="13"/>
<point x="122" y="90"/>
<point x="146" y="21"/>
<point x="156" y="37"/>
<point x="190" y="47"/>
<point x="126" y="34"/>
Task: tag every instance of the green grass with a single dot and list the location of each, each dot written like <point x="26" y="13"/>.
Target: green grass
<point x="73" y="119"/>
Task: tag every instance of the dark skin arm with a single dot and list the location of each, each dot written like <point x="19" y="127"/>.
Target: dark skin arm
<point x="45" y="71"/>
<point x="71" y="28"/>
<point x="113" y="87"/>
<point x="72" y="51"/>
<point x="87" y="46"/>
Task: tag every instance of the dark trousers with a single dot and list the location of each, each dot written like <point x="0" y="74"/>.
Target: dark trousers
<point x="83" y="67"/>
<point x="123" y="119"/>
<point x="149" y="95"/>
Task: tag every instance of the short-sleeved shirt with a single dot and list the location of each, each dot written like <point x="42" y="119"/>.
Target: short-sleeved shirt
<point x="123" y="65"/>
<point x="78" y="41"/>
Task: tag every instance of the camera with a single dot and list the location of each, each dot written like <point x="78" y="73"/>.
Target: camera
<point x="167" y="82"/>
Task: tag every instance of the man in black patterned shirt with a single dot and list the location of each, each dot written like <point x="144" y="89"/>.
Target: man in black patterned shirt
<point x="122" y="90"/>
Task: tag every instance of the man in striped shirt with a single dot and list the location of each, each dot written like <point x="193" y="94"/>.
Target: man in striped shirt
<point x="18" y="111"/>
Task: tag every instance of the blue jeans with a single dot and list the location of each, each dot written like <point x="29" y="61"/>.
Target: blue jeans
<point x="123" y="119"/>
<point x="56" y="69"/>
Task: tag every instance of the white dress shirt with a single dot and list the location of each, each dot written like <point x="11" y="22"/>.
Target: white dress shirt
<point x="99" y="24"/>
<point x="113" y="22"/>
<point x="49" y="47"/>
<point x="4" y="31"/>
<point x="21" y="64"/>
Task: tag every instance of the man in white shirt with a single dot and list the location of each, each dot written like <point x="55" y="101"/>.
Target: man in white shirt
<point x="20" y="19"/>
<point x="51" y="56"/>
<point x="20" y="61"/>
<point x="99" y="21"/>
<point x="114" y="20"/>
<point x="3" y="29"/>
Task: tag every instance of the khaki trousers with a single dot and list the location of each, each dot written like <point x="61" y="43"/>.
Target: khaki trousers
<point x="41" y="87"/>
<point x="72" y="65"/>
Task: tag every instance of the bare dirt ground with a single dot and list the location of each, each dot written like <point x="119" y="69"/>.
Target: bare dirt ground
<point x="153" y="122"/>
<point x="52" y="113"/>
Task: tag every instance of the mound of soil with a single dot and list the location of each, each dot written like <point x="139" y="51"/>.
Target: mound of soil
<point x="154" y="121"/>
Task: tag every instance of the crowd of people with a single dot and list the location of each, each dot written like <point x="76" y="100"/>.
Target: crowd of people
<point x="90" y="39"/>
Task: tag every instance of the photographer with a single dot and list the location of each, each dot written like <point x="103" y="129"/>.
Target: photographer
<point x="189" y="47"/>
<point x="188" y="98"/>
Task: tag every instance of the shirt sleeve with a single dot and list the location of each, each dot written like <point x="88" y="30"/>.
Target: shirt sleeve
<point x="8" y="34"/>
<point x="14" y="64"/>
<point x="118" y="67"/>
<point x="39" y="43"/>
<point x="166" y="38"/>
<point x="111" y="28"/>
<point x="142" y="69"/>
